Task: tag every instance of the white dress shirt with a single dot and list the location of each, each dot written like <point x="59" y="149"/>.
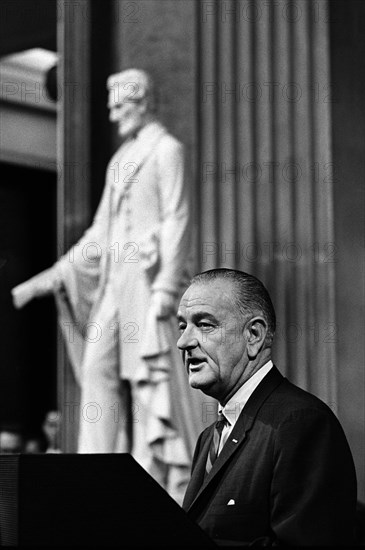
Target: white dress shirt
<point x="234" y="406"/>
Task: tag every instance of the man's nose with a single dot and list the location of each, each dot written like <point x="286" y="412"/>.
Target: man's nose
<point x="187" y="340"/>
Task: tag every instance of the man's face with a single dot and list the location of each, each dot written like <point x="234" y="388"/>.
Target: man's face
<point x="127" y="113"/>
<point x="212" y="339"/>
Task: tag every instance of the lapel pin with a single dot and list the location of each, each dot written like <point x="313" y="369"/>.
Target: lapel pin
<point x="235" y="440"/>
<point x="231" y="502"/>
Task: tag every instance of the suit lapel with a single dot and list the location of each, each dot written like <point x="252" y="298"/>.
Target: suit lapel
<point x="235" y="440"/>
<point x="197" y="478"/>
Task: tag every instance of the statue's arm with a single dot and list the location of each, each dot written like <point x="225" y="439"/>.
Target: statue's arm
<point x="42" y="284"/>
<point x="84" y="255"/>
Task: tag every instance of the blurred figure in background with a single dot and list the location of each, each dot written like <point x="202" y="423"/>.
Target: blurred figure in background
<point x="35" y="443"/>
<point x="11" y="439"/>
<point x="51" y="428"/>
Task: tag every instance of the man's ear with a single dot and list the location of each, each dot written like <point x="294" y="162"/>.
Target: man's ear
<point x="256" y="330"/>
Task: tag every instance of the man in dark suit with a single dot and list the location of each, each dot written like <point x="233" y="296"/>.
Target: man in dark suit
<point x="276" y="468"/>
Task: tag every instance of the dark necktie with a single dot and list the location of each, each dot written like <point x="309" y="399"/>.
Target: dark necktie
<point x="214" y="446"/>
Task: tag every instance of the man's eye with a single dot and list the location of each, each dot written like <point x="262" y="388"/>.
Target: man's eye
<point x="182" y="326"/>
<point x="205" y="326"/>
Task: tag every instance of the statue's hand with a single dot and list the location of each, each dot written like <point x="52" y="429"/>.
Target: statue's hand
<point x="40" y="285"/>
<point x="163" y="304"/>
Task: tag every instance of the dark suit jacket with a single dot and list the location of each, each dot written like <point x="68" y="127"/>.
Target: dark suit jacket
<point x="286" y="466"/>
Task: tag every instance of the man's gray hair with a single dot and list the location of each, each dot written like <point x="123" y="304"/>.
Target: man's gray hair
<point x="252" y="296"/>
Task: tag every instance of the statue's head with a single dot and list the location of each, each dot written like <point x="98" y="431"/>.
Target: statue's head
<point x="130" y="100"/>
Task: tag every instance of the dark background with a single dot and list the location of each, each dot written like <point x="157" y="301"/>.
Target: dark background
<point x="28" y="336"/>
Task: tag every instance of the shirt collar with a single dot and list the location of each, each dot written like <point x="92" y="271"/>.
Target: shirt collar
<point x="234" y="406"/>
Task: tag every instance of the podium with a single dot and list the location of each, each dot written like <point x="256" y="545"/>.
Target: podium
<point x="93" y="500"/>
